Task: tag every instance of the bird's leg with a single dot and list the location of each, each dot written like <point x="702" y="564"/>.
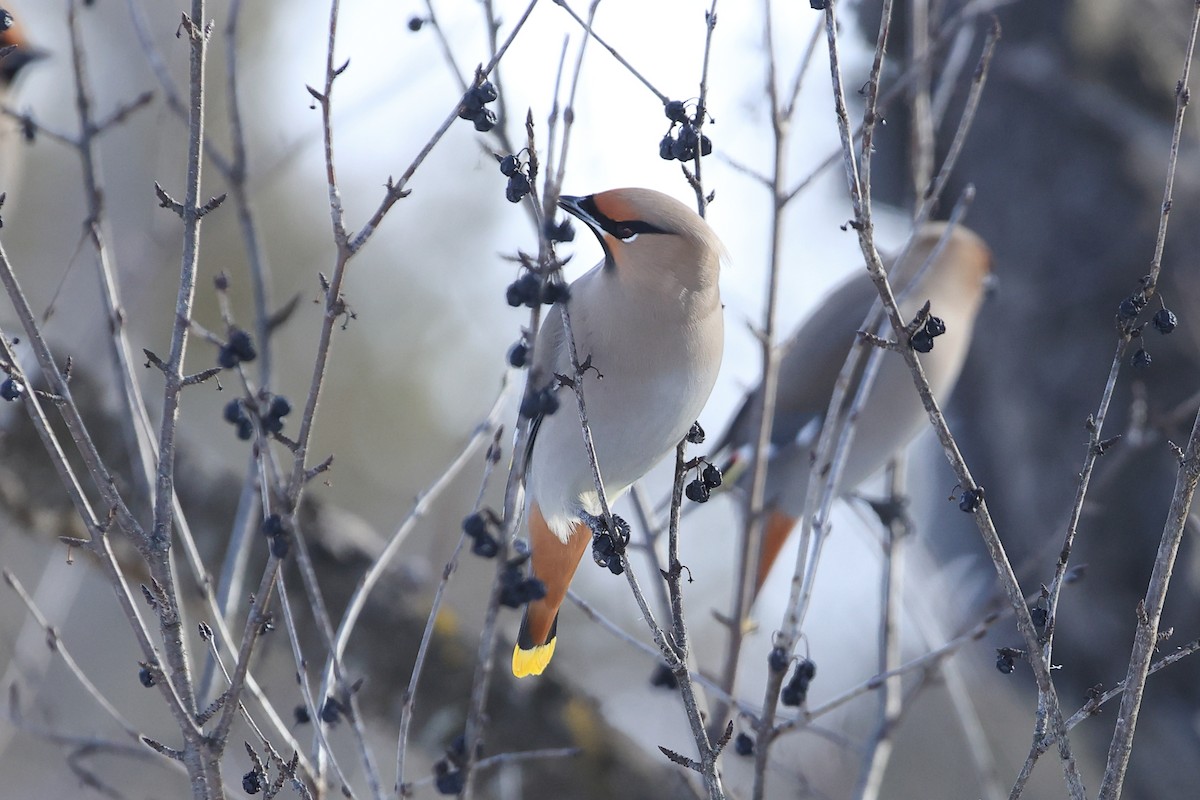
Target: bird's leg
<point x="607" y="546"/>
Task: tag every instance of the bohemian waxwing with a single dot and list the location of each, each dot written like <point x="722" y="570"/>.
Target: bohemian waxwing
<point x="648" y="318"/>
<point x="893" y="414"/>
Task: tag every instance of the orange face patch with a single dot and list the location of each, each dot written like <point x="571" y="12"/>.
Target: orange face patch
<point x="616" y="205"/>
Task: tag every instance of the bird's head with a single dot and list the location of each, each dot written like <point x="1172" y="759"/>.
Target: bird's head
<point x="963" y="261"/>
<point x="643" y="231"/>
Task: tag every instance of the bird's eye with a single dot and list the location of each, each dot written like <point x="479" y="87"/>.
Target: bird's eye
<point x="626" y="234"/>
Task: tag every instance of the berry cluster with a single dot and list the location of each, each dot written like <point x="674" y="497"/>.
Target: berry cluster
<point x="519" y="174"/>
<point x="530" y="290"/>
<point x="518" y="354"/>
<point x="607" y="547"/>
<point x="922" y="340"/>
<point x="479" y="527"/>
<point x="796" y="691"/>
<point x="540" y="403"/>
<point x="473" y="106"/>
<point x="743" y="745"/>
<point x="1164" y="321"/>
<point x="10" y="389"/>
<point x="516" y="590"/>
<point x="276" y="531"/>
<point x="238" y="350"/>
<point x="683" y="139"/>
<point x="241" y="413"/>
<point x="698" y="491"/>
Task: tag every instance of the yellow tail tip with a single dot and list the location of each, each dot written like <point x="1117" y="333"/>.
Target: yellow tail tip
<point x="532" y="661"/>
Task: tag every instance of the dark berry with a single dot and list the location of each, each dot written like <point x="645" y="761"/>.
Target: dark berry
<point x="555" y="292"/>
<point x="300" y="714"/>
<point x="695" y="434"/>
<point x="1141" y="359"/>
<point x="146" y="677"/>
<point x="487" y="91"/>
<point x="415" y="23"/>
<point x="689" y="137"/>
<point x="6" y="20"/>
<point x="245" y="429"/>
<point x="524" y="291"/>
<point x="664" y="678"/>
<point x="697" y="491"/>
<point x="449" y="782"/>
<point x="234" y="413"/>
<point x="331" y="711"/>
<point x="541" y="403"/>
<point x="1164" y="321"/>
<point x="475" y="526"/>
<point x="280" y="407"/>
<point x="675" y="111"/>
<point x="1004" y="663"/>
<point x="533" y="589"/>
<point x="970" y="500"/>
<point x="921" y="341"/>
<point x="778" y="659"/>
<point x="711" y="476"/>
<point x="705" y="145"/>
<point x="935" y="326"/>
<point x="614" y="564"/>
<point x="251" y="783"/>
<point x="518" y="355"/>
<point x="818" y="5"/>
<point x="680" y="150"/>
<point x="1131" y="306"/>
<point x="518" y="187"/>
<point x="226" y="358"/>
<point x="279" y="546"/>
<point x="10" y="390"/>
<point x="242" y="345"/>
<point x="272" y="525"/>
<point x="485" y="120"/>
<point x="486" y="546"/>
<point x="796" y="691"/>
<point x="512" y="587"/>
<point x="509" y="166"/>
<point x="743" y="745"/>
<point x="471" y="105"/>
<point x="1039" y="616"/>
<point x="665" y="147"/>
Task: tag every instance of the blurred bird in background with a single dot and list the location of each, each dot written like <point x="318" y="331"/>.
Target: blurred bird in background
<point x="893" y="415"/>
<point x="16" y="54"/>
<point x="648" y="318"/>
